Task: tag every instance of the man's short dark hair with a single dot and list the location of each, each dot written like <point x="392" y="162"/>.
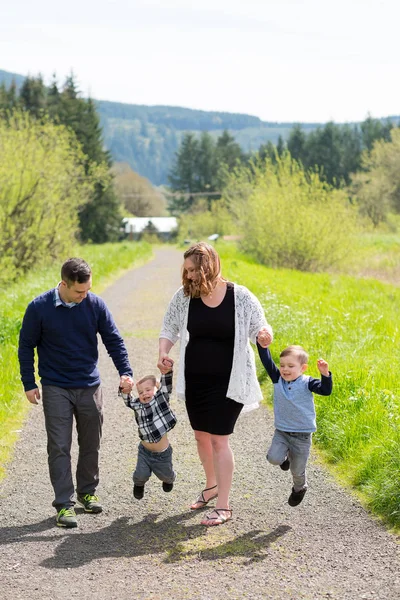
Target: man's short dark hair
<point x="75" y="270"/>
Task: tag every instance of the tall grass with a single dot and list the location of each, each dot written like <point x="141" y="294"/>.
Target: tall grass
<point x="107" y="262"/>
<point x="355" y="325"/>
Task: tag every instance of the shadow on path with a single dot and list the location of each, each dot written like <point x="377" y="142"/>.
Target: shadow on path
<point x="148" y="537"/>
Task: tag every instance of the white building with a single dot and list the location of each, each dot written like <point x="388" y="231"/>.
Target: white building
<point x="165" y="226"/>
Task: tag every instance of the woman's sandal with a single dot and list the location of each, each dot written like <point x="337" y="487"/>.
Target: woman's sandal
<point x="220" y="519"/>
<point x="201" y="500"/>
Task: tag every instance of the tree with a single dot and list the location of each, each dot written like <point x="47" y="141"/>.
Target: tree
<point x="228" y="151"/>
<point x="42" y="187"/>
<point x="136" y="194"/>
<point x="377" y="186"/>
<point x="32" y="96"/>
<point x="296" y="143"/>
<point x="373" y="130"/>
<point x="184" y="176"/>
<point x="289" y="217"/>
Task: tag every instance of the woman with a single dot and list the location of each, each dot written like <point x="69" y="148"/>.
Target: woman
<point x="214" y="319"/>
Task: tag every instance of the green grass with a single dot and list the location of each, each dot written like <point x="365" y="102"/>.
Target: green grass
<point x="108" y="261"/>
<point x="355" y="325"/>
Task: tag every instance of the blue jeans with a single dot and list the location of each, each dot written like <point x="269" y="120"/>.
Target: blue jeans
<point x="159" y="463"/>
<point x="296" y="447"/>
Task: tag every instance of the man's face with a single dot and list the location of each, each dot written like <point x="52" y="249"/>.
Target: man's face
<point x="75" y="292"/>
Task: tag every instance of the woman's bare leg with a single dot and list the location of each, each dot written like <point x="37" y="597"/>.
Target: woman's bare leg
<point x="206" y="455"/>
<point x="224" y="465"/>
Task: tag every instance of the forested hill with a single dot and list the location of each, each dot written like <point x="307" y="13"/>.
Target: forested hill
<point x="8" y="78"/>
<point x="147" y="137"/>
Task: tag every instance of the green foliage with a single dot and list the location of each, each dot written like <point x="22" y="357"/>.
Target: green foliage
<point x="288" y="217"/>
<point x="201" y="167"/>
<point x="335" y="150"/>
<point x="138" y="197"/>
<point x="201" y="222"/>
<point x="99" y="220"/>
<point x="377" y="186"/>
<point x="42" y="187"/>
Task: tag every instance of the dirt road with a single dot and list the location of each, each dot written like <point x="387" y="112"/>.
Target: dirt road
<point x="154" y="549"/>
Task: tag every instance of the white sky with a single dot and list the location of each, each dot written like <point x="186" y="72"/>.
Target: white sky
<point x="281" y="60"/>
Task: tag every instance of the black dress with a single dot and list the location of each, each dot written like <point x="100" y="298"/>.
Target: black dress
<point x="208" y="365"/>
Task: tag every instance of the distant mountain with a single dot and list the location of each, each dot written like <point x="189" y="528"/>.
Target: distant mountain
<point x="147" y="137"/>
<point x="7" y="78"/>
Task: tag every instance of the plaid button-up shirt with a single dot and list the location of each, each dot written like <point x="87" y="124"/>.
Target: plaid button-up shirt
<point x="154" y="418"/>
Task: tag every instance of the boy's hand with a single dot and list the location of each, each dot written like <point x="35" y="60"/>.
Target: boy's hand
<point x="323" y="367"/>
<point x="264" y="338"/>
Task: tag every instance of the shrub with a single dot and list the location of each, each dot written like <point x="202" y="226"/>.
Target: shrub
<point x="289" y="218"/>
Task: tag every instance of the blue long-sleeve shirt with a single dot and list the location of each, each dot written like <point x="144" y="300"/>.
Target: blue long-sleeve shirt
<point x="294" y="408"/>
<point x="66" y="342"/>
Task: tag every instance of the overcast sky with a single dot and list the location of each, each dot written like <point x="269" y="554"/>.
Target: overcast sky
<point x="281" y="60"/>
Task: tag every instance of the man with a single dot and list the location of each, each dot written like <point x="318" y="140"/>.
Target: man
<point x="62" y="324"/>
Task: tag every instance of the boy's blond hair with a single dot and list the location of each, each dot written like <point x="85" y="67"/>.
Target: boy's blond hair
<point x="297" y="351"/>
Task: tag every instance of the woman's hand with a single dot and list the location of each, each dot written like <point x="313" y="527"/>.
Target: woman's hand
<point x="264" y="337"/>
<point x="165" y="363"/>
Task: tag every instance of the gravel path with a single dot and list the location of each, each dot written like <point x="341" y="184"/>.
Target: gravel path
<point x="154" y="549"/>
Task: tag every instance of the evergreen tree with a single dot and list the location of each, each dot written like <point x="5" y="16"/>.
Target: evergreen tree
<point x="296" y="143"/>
<point x="373" y="130"/>
<point x="53" y="100"/>
<point x="32" y="96"/>
<point x="228" y="151"/>
<point x="280" y="146"/>
<point x="183" y="176"/>
<point x="207" y="165"/>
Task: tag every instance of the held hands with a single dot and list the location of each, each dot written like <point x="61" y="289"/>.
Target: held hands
<point x="323" y="367"/>
<point x="165" y="363"/>
<point x="126" y="384"/>
<point x="33" y="396"/>
<point x="264" y="338"/>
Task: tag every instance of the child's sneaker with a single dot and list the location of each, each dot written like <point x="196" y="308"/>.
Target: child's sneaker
<point x="138" y="491"/>
<point x="285" y="465"/>
<point x="296" y="497"/>
<point x="167" y="487"/>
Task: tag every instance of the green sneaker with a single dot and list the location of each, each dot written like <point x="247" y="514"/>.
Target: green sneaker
<point x="90" y="503"/>
<point x="66" y="517"/>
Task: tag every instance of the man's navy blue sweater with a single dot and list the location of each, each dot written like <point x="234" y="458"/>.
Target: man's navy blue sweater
<point x="66" y="342"/>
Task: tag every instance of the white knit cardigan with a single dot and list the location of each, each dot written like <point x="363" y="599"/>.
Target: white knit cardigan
<point x="249" y="319"/>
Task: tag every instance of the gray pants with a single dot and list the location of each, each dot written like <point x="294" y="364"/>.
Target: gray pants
<point x="159" y="463"/>
<point x="60" y="405"/>
<point x="295" y="446"/>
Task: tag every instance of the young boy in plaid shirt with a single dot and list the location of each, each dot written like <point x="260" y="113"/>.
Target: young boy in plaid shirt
<point x="154" y="418"/>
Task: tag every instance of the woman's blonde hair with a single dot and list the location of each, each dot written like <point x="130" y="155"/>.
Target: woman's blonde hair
<point x="208" y="266"/>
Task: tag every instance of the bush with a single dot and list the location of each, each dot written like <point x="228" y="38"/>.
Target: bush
<point x="42" y="187"/>
<point x="290" y="218"/>
<point x="201" y="222"/>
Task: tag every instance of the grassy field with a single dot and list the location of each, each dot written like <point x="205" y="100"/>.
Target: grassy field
<point x="355" y="325"/>
<point x="108" y="261"/>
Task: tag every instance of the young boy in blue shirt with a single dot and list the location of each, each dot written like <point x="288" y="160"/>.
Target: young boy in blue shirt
<point x="294" y="411"/>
